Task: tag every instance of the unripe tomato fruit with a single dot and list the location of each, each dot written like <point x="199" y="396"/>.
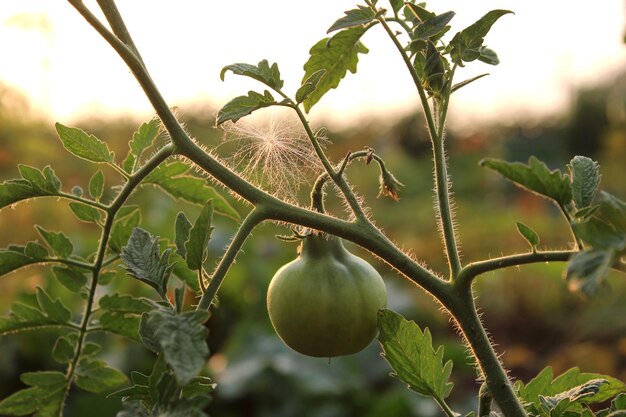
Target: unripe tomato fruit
<point x="325" y="302"/>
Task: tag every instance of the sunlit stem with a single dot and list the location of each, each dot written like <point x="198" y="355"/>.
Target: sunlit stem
<point x="437" y="138"/>
<point x="336" y="176"/>
<point x="252" y="220"/>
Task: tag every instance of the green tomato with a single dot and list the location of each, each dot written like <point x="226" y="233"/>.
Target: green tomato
<point x="325" y="302"/>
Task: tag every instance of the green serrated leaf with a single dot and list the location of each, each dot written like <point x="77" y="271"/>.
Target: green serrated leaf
<point x="35" y="251"/>
<point x="433" y="28"/>
<point x="263" y="72"/>
<point x="11" y="260"/>
<point x="186" y="275"/>
<point x="122" y="229"/>
<point x="83" y="145"/>
<point x="144" y="262"/>
<point x="612" y="210"/>
<point x="467" y="45"/>
<point x="124" y="303"/>
<point x="96" y="185"/>
<point x="199" y="386"/>
<point x="182" y="225"/>
<point x="309" y="85"/>
<point x="418" y="12"/>
<point x="72" y="279"/>
<point x="33" y="183"/>
<point x="63" y="350"/>
<point x="54" y="310"/>
<point x="199" y="235"/>
<point x="242" y="106"/>
<point x="60" y="244"/>
<point x="336" y="55"/>
<point x="170" y="178"/>
<point x="97" y="377"/>
<point x="586" y="271"/>
<point x="544" y="385"/>
<point x="44" y="398"/>
<point x="600" y="235"/>
<point x="585" y="174"/>
<point x="410" y="353"/>
<point x="488" y="56"/>
<point x="144" y="137"/>
<point x="529" y="234"/>
<point x="180" y="337"/>
<point x="355" y="17"/>
<point x="123" y="324"/>
<point x="535" y="177"/>
<point x="85" y="213"/>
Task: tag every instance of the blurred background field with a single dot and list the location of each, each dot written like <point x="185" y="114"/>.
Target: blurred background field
<point x="533" y="318"/>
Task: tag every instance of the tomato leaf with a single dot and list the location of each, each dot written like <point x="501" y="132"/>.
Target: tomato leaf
<point x="586" y="271"/>
<point x="85" y="213"/>
<point x="171" y="179"/>
<point x="336" y="55"/>
<point x="123" y="324"/>
<point x="535" y="177"/>
<point x="63" y="350"/>
<point x="529" y="234"/>
<point x="144" y="137"/>
<point x="44" y="398"/>
<point x="585" y="174"/>
<point x="34" y="183"/>
<point x="44" y="313"/>
<point x="97" y="377"/>
<point x="144" y="262"/>
<point x="199" y="235"/>
<point x="242" y="106"/>
<point x="467" y="45"/>
<point x="410" y="353"/>
<point x="83" y="145"/>
<point x="262" y="72"/>
<point x="72" y="279"/>
<point x="183" y="225"/>
<point x="354" y="17"/>
<point x="309" y="85"/>
<point x="60" y="244"/>
<point x="96" y="185"/>
<point x="574" y="386"/>
<point x="122" y="229"/>
<point x="180" y="337"/>
<point x="433" y="28"/>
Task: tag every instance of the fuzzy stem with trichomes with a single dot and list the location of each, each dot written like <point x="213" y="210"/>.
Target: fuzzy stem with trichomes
<point x="442" y="187"/>
<point x="317" y="191"/>
<point x="97" y="266"/>
<point x="253" y="219"/>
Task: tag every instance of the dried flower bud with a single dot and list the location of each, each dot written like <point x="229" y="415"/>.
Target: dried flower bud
<point x="389" y="185"/>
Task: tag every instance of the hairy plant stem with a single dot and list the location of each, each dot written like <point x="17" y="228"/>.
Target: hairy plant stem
<point x="442" y="188"/>
<point x="256" y="216"/>
<point x="336" y="175"/>
<point x="112" y="210"/>
<point x="466" y="316"/>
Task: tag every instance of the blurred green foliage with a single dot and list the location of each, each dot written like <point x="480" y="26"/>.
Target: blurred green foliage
<point x="532" y="317"/>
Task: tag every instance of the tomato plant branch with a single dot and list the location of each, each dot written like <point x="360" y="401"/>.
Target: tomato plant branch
<point x="442" y="186"/>
<point x="472" y="270"/>
<point x="253" y="219"/>
<point x="69" y="262"/>
<point x="466" y="316"/>
<point x="336" y="175"/>
<point x="84" y="201"/>
<point x="117" y="204"/>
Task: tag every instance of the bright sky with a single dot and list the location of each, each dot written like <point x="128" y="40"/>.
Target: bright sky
<point x="52" y="55"/>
